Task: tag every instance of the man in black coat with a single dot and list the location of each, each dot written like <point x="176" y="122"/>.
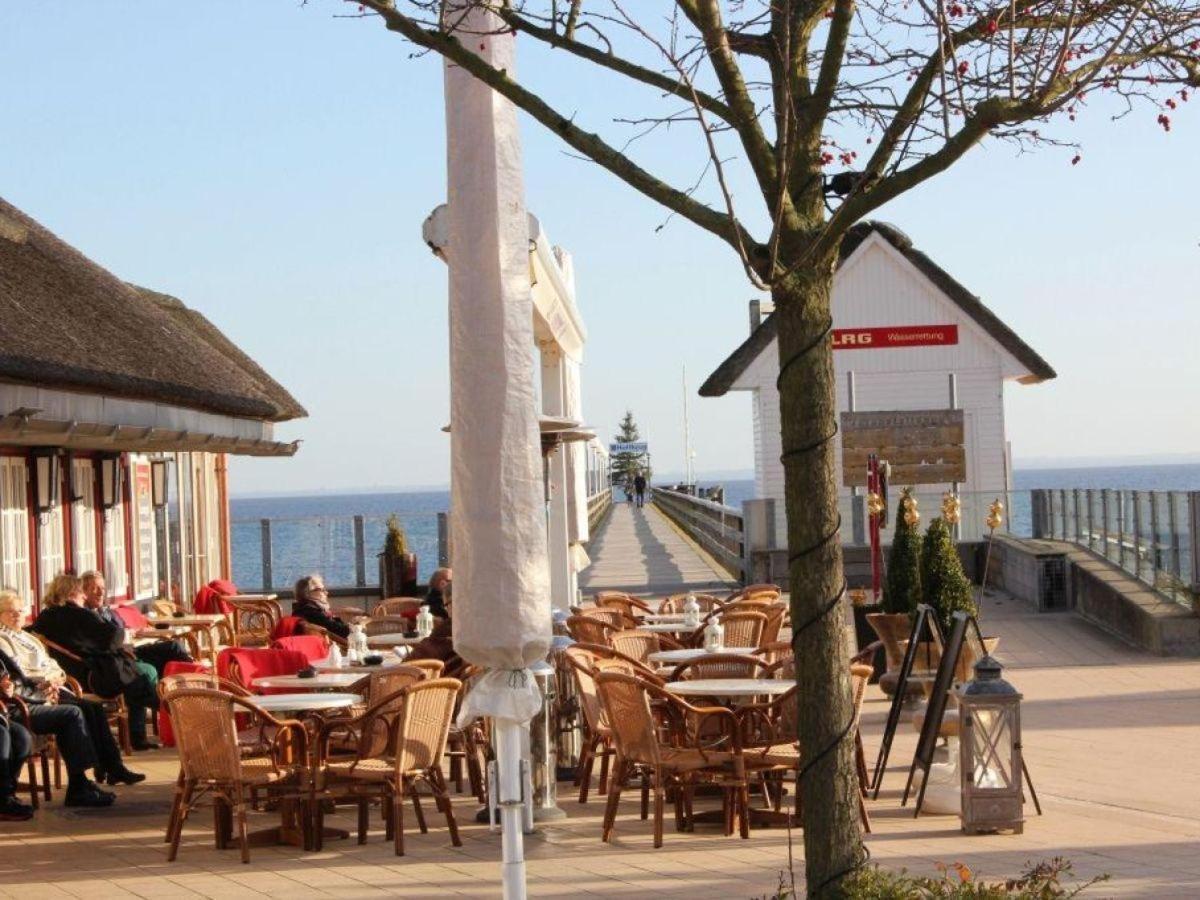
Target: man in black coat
<point x="69" y="728"/>
<point x="156" y="654"/>
<point x="109" y="668"/>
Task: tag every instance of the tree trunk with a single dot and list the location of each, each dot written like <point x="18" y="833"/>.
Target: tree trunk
<point x="808" y="409"/>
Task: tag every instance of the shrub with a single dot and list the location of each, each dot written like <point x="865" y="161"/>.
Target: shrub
<point x="944" y="583"/>
<point x="1040" y="881"/>
<point x="902" y="592"/>
<point x="395" y="545"/>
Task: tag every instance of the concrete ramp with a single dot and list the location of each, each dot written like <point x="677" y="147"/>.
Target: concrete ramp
<point x="640" y="552"/>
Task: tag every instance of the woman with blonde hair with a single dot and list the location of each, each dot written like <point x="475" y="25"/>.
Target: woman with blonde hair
<point x="311" y="603"/>
<point x="107" y="666"/>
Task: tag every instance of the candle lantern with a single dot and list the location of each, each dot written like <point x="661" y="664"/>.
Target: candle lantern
<point x="990" y="760"/>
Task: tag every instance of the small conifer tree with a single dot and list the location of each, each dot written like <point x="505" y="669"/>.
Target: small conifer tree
<point x="946" y="586"/>
<point x="902" y="592"/>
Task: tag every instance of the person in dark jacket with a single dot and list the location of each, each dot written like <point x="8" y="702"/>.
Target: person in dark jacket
<point x="154" y="655"/>
<point x="639" y="488"/>
<point x="15" y="747"/>
<point x="311" y="604"/>
<point x="70" y="732"/>
<point x="440" y="645"/>
<point x="439" y="592"/>
<point x="109" y="668"/>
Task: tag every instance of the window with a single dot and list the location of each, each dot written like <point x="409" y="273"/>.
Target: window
<point x="52" y="554"/>
<point x="14" y="526"/>
<point x="145" y="543"/>
<point x="83" y="515"/>
<point x="115" y="570"/>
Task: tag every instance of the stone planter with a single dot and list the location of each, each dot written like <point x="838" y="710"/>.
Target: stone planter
<point x="893" y="629"/>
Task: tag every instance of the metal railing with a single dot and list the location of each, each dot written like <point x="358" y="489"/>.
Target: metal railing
<point x="716" y="528"/>
<point x="271" y="554"/>
<point x="1153" y="535"/>
<point x="599" y="505"/>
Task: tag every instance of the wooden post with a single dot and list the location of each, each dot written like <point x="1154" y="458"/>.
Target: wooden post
<point x="266" y="555"/>
<point x="360" y="552"/>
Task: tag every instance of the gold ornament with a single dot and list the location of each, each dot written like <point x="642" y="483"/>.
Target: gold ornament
<point x="995" y="516"/>
<point x="912" y="516"/>
<point x="874" y="503"/>
<point x="951" y="508"/>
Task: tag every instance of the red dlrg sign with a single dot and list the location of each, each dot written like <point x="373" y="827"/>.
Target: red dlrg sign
<point x="894" y="336"/>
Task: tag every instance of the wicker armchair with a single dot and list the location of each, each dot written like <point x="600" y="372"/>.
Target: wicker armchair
<point x="770" y="746"/>
<point x="639" y="713"/>
<point x="431" y="667"/>
<point x="613" y="617"/>
<point x="254" y="619"/>
<point x="743" y="629"/>
<point x="310" y="628"/>
<point x="44" y="749"/>
<point x="720" y="665"/>
<point x="630" y="608"/>
<point x="774" y="651"/>
<point x="597" y="735"/>
<point x="606" y="653"/>
<point x="206" y="732"/>
<point x="675" y="603"/>
<point x="768" y="592"/>
<point x="386" y="625"/>
<point x="400" y="744"/>
<point x="588" y="630"/>
<point x="637" y="645"/>
<point x="398" y="606"/>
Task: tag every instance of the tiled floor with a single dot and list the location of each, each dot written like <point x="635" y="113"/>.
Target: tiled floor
<point x="1112" y="738"/>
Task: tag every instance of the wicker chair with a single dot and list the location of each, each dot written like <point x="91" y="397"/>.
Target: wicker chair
<point x="637" y="645"/>
<point x="388" y="681"/>
<point x="720" y="665"/>
<point x="469" y="745"/>
<point x="44" y="749"/>
<point x="398" y="606"/>
<point x="391" y="761"/>
<point x="675" y="603"/>
<point x="613" y="617"/>
<point x="775" y="618"/>
<point x="774" y="651"/>
<point x="681" y="759"/>
<point x="386" y="625"/>
<point x="606" y="653"/>
<point x="207" y="737"/>
<point x="431" y="667"/>
<point x="630" y="608"/>
<point x="770" y="592"/>
<point x="770" y="747"/>
<point x="597" y="735"/>
<point x="743" y="629"/>
<point x="254" y="619"/>
<point x="588" y="630"/>
<point x="310" y="628"/>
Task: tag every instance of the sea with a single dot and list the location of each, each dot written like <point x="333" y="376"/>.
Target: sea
<point x="315" y="533"/>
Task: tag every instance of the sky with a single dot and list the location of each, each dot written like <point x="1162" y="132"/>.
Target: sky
<point x="270" y="164"/>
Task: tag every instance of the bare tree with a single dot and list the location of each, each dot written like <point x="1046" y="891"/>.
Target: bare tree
<point x="888" y="92"/>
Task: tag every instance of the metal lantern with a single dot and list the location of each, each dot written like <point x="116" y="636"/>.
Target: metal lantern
<point x="46" y="477"/>
<point x="110" y="481"/>
<point x="989" y="711"/>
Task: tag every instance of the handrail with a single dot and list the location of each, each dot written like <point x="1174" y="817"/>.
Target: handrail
<point x="718" y="529"/>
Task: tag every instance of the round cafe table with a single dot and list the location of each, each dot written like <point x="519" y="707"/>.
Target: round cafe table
<point x="732" y="688"/>
<point x="305" y="703"/>
<point x="663" y="617"/>
<point x="687" y="654"/>
<point x="322" y="682"/>
<point x="391" y="640"/>
<point x="388" y="661"/>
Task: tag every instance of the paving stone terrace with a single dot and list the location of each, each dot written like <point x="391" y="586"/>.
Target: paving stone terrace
<point x="1112" y="738"/>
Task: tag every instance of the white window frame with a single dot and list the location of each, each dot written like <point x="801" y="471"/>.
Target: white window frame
<point x="116" y="570"/>
<point x="52" y="546"/>
<point x="83" y="515"/>
<point x="145" y="531"/>
<point x="15" y="569"/>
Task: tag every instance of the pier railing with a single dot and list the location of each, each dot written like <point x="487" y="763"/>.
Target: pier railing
<point x="599" y="505"/>
<point x="716" y="528"/>
<point x="1153" y="535"/>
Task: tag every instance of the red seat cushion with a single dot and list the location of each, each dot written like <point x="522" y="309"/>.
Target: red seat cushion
<point x="259" y="662"/>
<point x="288" y="626"/>
<point x="313" y="646"/>
<point x="132" y="617"/>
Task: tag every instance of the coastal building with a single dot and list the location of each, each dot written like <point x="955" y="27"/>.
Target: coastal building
<point x="921" y="365"/>
<point x="118" y="409"/>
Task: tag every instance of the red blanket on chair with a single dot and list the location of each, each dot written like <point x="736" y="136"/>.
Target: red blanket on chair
<point x="313" y="646"/>
<point x="244" y="664"/>
<point x="210" y="598"/>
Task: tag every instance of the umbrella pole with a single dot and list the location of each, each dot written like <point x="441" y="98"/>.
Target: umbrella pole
<point x="512" y="807"/>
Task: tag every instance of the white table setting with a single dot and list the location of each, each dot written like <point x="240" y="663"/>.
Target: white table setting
<point x="321" y="682"/>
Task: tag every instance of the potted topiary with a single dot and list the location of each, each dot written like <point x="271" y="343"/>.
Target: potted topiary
<point x="902" y="590"/>
<point x="397" y="564"/>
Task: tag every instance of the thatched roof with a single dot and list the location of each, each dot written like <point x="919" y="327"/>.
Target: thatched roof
<point x="71" y="324"/>
<point x="732" y="368"/>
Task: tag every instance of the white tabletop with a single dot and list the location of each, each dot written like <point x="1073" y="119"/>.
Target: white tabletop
<point x="158" y="633"/>
<point x="731" y="687"/>
<point x="663" y="617"/>
<point x="316" y="683"/>
<point x="391" y="640"/>
<point x="305" y="702"/>
<point x="689" y="653"/>
<point x="668" y="627"/>
<point x="197" y="619"/>
<point x="389" y="660"/>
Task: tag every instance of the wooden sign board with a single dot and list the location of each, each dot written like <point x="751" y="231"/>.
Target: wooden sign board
<point x="924" y="446"/>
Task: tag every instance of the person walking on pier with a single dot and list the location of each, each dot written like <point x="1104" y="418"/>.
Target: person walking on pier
<point x="639" y="487"/>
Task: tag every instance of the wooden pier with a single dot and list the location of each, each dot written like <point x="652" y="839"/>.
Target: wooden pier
<point x="641" y="552"/>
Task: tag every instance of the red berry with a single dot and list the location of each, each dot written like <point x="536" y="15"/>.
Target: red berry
<point x="992" y="26"/>
<point x="963" y="66"/>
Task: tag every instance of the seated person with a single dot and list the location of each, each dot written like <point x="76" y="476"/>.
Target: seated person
<point x="43" y="681"/>
<point x="439" y="590"/>
<point x="15" y="747"/>
<point x="154" y="655"/>
<point x="109" y="668"/>
<point x="66" y="723"/>
<point x="440" y="645"/>
<point x="311" y="604"/>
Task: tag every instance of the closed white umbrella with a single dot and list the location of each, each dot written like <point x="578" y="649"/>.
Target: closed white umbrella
<point x="497" y="514"/>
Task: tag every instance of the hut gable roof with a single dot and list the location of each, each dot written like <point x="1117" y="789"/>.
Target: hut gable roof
<point x="71" y="324"/>
<point x="723" y="378"/>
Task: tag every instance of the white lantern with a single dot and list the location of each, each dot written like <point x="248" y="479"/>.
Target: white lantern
<point x="990" y="762"/>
